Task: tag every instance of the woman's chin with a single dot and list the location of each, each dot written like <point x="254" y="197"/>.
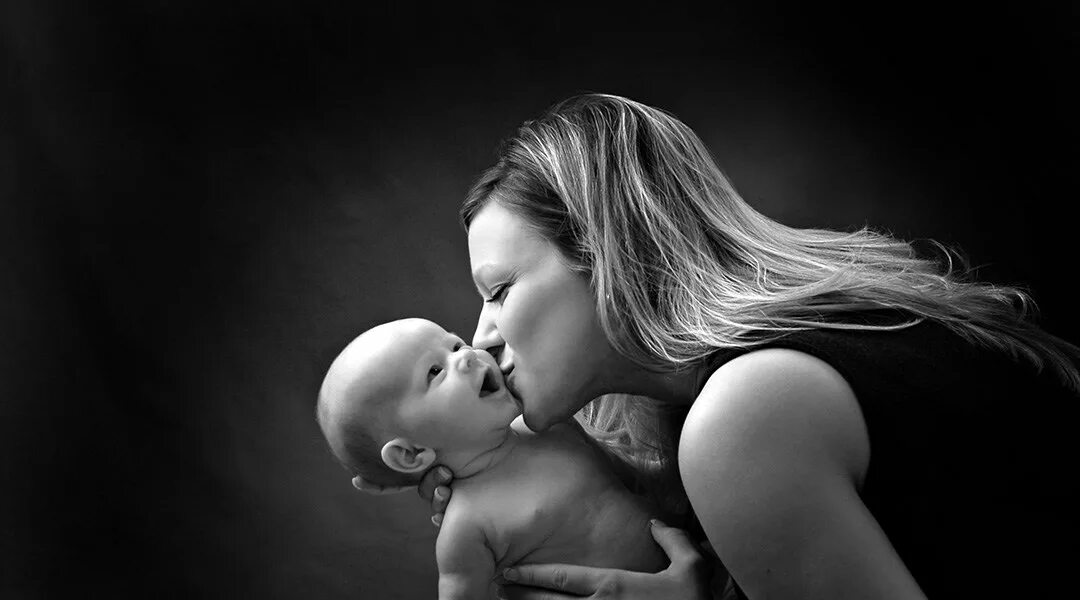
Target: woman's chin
<point x="534" y="422"/>
<point x="540" y="421"/>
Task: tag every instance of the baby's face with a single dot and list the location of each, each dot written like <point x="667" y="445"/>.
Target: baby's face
<point x="451" y="396"/>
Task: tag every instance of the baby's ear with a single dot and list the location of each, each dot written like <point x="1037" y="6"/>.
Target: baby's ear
<point x="403" y="456"/>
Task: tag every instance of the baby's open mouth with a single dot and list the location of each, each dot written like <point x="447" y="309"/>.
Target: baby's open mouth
<point x="490" y="384"/>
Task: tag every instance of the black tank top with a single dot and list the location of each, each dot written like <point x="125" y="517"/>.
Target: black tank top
<point x="972" y="457"/>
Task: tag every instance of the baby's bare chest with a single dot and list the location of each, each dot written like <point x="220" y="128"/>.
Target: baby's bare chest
<point x="562" y="505"/>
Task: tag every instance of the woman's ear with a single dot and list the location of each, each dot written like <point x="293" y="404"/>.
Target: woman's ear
<point x="403" y="456"/>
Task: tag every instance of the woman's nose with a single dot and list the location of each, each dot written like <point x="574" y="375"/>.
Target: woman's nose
<point x="486" y="336"/>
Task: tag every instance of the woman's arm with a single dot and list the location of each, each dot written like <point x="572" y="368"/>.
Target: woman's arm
<point x="771" y="455"/>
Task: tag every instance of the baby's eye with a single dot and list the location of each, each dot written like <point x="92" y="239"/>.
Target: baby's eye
<point x="458" y="346"/>
<point x="433" y="371"/>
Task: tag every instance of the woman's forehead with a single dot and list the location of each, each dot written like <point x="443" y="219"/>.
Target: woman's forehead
<point x="498" y="237"/>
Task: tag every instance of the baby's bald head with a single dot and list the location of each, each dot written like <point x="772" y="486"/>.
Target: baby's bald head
<point x="407" y="392"/>
<point x="357" y="401"/>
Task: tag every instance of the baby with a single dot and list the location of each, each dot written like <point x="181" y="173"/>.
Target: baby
<point x="407" y="394"/>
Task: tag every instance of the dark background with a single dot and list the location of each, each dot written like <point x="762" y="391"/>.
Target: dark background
<point x="202" y="203"/>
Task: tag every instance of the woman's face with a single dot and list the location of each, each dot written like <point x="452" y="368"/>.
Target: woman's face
<point x="539" y="318"/>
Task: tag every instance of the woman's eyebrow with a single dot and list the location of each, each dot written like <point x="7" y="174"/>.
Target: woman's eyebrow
<point x="480" y="273"/>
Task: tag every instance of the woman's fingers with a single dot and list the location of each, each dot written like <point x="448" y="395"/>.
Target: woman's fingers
<point x="441" y="499"/>
<point x="432" y="479"/>
<point x="678" y="546"/>
<point x="517" y="592"/>
<point x="570" y="579"/>
<point x="434" y="487"/>
<point x="373" y="488"/>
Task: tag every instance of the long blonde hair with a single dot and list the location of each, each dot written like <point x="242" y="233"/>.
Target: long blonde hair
<point x="682" y="266"/>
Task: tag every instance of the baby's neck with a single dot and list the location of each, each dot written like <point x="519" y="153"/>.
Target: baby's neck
<point x="489" y="458"/>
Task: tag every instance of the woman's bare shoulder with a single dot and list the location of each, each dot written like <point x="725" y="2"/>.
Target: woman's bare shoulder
<point x="768" y="400"/>
<point x="772" y="455"/>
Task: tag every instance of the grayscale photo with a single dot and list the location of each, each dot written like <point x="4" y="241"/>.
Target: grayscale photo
<point x="378" y="301"/>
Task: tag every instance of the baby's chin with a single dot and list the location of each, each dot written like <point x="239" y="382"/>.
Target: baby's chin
<point x="509" y="424"/>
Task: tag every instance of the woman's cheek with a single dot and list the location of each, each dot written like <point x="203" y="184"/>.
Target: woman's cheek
<point x="519" y="318"/>
<point x="526" y="327"/>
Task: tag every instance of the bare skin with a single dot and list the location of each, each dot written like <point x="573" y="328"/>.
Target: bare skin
<point x="772" y="453"/>
<point x="522" y="497"/>
<point x="551" y="499"/>
<point x="787" y="427"/>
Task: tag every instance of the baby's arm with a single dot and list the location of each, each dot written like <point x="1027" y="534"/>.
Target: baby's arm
<point x="466" y="564"/>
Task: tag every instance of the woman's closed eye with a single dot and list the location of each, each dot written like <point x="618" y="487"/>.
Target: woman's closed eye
<point x="497" y="295"/>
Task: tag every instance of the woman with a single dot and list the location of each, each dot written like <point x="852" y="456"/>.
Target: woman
<point x="860" y="421"/>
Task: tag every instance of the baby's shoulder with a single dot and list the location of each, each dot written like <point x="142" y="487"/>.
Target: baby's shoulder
<point x="463" y="527"/>
<point x="469" y="508"/>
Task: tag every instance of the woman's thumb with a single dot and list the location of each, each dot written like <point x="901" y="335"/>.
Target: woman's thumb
<point x="676" y="543"/>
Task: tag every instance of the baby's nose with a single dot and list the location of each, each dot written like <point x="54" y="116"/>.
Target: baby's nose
<point x="466" y="359"/>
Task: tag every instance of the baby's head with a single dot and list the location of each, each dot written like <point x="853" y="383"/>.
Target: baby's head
<point x="407" y="394"/>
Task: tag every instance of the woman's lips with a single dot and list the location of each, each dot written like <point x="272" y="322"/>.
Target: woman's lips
<point x="512" y="389"/>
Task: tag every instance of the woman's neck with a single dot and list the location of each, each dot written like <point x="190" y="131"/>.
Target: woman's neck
<point x="676" y="387"/>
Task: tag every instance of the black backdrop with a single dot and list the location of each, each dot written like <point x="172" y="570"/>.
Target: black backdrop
<point x="202" y="202"/>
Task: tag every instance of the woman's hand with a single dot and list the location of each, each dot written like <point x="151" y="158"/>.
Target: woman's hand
<point x="433" y="487"/>
<point x="373" y="488"/>
<point x="687" y="577"/>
